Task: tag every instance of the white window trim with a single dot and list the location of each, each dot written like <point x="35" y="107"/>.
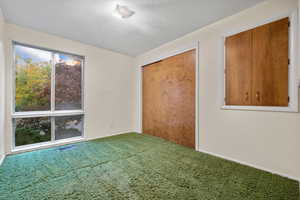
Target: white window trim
<point x="47" y="113"/>
<point x="43" y="145"/>
<point x="293" y="56"/>
<point x="52" y="112"/>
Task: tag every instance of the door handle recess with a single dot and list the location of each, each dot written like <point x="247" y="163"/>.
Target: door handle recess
<point x="246" y="96"/>
<point x="257" y="96"/>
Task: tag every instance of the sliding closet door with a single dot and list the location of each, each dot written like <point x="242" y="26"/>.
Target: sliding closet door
<point x="169" y="99"/>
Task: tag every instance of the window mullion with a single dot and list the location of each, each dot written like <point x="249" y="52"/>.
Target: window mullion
<point x="53" y="96"/>
<point x="14" y="79"/>
<point x="52" y="128"/>
<point x="53" y="83"/>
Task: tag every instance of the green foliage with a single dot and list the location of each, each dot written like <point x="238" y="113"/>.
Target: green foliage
<point x="32" y="130"/>
<point x="33" y="83"/>
<point x="26" y="136"/>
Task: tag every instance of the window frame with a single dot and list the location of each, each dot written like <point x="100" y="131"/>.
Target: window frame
<point x="52" y="113"/>
<point x="293" y="82"/>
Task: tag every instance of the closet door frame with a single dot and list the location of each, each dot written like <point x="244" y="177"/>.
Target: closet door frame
<point x="192" y="46"/>
<point x="293" y="81"/>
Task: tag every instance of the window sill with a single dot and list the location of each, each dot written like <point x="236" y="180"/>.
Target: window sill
<point x="44" y="145"/>
<point x="290" y="108"/>
<point x="47" y="113"/>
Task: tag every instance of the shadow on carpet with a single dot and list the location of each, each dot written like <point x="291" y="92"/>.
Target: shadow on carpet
<point x="135" y="166"/>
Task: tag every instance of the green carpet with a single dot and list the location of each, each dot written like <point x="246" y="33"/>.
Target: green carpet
<point x="135" y="166"/>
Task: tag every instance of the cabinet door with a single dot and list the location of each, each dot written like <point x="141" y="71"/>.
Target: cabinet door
<point x="270" y="64"/>
<point x="238" y="68"/>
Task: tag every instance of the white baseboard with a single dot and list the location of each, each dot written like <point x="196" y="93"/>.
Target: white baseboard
<point x="2" y="159"/>
<point x="112" y="134"/>
<point x="251" y="165"/>
<point x="123" y="132"/>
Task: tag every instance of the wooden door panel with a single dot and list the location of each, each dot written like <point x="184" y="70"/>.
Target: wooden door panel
<point x="169" y="99"/>
<point x="238" y="68"/>
<point x="270" y="64"/>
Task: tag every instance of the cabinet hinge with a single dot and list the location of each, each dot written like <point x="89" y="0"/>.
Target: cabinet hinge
<point x="288" y="99"/>
<point x="289" y="61"/>
<point x="289" y="23"/>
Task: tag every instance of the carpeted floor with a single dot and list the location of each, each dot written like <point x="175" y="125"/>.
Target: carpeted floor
<point x="135" y="166"/>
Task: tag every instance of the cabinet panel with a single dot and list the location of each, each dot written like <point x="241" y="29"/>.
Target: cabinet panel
<point x="270" y="64"/>
<point x="238" y="69"/>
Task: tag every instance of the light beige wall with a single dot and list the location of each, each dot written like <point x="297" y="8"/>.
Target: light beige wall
<point x="269" y="140"/>
<point x="2" y="85"/>
<point x="109" y="83"/>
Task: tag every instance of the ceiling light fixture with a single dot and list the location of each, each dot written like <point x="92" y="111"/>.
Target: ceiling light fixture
<point x="124" y="11"/>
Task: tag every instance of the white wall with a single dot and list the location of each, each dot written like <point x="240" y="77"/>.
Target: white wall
<point x="269" y="140"/>
<point x="109" y="83"/>
<point x="2" y="85"/>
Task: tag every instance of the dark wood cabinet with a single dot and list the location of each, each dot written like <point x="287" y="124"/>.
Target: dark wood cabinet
<point x="239" y="69"/>
<point x="257" y="66"/>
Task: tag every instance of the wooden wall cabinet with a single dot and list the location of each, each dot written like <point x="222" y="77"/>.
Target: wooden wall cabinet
<point x="256" y="66"/>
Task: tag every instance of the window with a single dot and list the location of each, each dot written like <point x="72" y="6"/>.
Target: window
<point x="258" y="68"/>
<point x="48" y="95"/>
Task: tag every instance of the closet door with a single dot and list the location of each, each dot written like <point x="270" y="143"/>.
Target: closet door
<point x="169" y="99"/>
<point x="270" y="64"/>
<point x="238" y="68"/>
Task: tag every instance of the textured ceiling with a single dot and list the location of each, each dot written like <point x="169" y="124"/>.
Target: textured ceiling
<point x="94" y="21"/>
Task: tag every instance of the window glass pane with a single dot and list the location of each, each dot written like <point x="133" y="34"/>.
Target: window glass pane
<point x="68" y="126"/>
<point x="32" y="130"/>
<point x="68" y="71"/>
<point x="33" y="79"/>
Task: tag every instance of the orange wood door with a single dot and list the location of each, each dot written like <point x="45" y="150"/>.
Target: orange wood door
<point x="238" y="68"/>
<point x="270" y="64"/>
<point x="169" y="99"/>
